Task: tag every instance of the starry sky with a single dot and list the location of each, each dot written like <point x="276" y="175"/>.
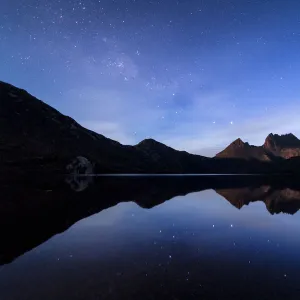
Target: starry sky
<point x="193" y="74"/>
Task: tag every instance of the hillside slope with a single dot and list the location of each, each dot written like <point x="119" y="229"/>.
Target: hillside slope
<point x="35" y="134"/>
<point x="36" y="137"/>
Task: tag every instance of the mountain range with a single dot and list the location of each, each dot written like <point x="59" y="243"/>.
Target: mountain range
<point x="36" y="137"/>
<point x="275" y="147"/>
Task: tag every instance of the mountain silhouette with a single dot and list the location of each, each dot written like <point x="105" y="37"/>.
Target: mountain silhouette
<point x="36" y="137"/>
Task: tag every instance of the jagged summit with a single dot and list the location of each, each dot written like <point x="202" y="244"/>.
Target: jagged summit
<point x="275" y="146"/>
<point x="278" y="142"/>
<point x="241" y="149"/>
<point x="238" y="143"/>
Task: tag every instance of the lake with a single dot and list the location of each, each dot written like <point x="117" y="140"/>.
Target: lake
<point x="150" y="238"/>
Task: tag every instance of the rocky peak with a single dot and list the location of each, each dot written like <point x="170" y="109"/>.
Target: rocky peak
<point x="238" y="143"/>
<point x="270" y="142"/>
<point x="150" y="143"/>
<point x="277" y="142"/>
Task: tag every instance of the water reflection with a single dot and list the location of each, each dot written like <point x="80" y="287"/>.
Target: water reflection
<point x="79" y="183"/>
<point x="135" y="244"/>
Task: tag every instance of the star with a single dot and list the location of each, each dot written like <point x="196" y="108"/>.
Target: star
<point x="138" y="61"/>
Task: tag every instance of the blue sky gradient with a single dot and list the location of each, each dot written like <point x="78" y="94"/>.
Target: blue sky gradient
<point x="192" y="74"/>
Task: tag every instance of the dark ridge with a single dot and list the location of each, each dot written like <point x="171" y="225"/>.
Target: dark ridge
<point x="37" y="138"/>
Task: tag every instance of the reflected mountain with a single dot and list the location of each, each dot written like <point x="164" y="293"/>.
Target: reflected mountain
<point x="276" y="201"/>
<point x="33" y="209"/>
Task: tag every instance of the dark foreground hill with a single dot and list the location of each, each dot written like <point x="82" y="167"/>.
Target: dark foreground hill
<point x="36" y="137"/>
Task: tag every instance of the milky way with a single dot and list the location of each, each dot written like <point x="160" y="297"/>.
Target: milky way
<point x="192" y="74"/>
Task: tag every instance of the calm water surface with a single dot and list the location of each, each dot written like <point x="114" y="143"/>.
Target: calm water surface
<point x="197" y="246"/>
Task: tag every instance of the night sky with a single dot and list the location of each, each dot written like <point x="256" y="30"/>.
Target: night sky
<point x="192" y="74"/>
